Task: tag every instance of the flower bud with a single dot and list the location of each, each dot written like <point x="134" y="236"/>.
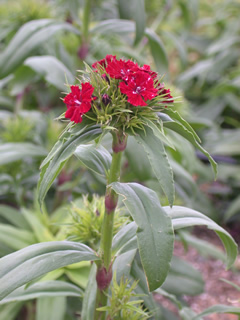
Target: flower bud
<point x="106" y="99"/>
<point x="103" y="278"/>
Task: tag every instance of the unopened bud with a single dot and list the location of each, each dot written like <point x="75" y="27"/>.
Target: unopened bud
<point x="103" y="278"/>
<point x="106" y="99"/>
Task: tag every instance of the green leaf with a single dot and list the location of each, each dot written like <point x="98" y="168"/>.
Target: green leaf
<point x="10" y="152"/>
<point x="158" y="51"/>
<point x="154" y="233"/>
<point x="9" y="311"/>
<point x="15" y="238"/>
<point x="158" y="160"/>
<point x="25" y="265"/>
<point x="28" y="38"/>
<point x="94" y="157"/>
<point x="53" y="70"/>
<point x="219" y="309"/>
<point x="140" y="19"/>
<point x="123" y="237"/>
<point x="51" y="308"/>
<point x="123" y="263"/>
<point x="187" y="133"/>
<point x="184" y="217"/>
<point x="203" y="247"/>
<point x="89" y="299"/>
<point x="134" y="10"/>
<point x="111" y="26"/>
<point x="58" y="158"/>
<point x="142" y="289"/>
<point x="183" y="279"/>
<point x="43" y="289"/>
<point x="40" y="231"/>
<point x="78" y="276"/>
<point x="13" y="216"/>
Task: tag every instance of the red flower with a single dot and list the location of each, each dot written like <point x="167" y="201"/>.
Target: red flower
<point x="166" y="93"/>
<point x="146" y="68"/>
<point x="139" y="87"/>
<point x="121" y="69"/>
<point x="78" y="102"/>
<point x="104" y="62"/>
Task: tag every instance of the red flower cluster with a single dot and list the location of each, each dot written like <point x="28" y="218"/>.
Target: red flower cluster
<point x="139" y="84"/>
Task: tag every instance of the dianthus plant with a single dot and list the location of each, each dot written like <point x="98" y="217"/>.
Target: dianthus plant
<point x="118" y="98"/>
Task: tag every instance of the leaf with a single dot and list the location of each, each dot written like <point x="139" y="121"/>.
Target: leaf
<point x="204" y="247"/>
<point x="219" y="309"/>
<point x="184" y="217"/>
<point x="89" y="299"/>
<point x="140" y="19"/>
<point x="53" y="70"/>
<point x="51" y="308"/>
<point x="40" y="231"/>
<point x="142" y="289"/>
<point x="158" y="160"/>
<point x="111" y="26"/>
<point x="43" y="289"/>
<point x="94" y="157"/>
<point x="158" y="51"/>
<point x="123" y="263"/>
<point x="15" y="238"/>
<point x="59" y="156"/>
<point x="134" y="9"/>
<point x="10" y="152"/>
<point x="187" y="134"/>
<point x="183" y="279"/>
<point x="155" y="235"/>
<point x="25" y="265"/>
<point x="79" y="276"/>
<point x="28" y="38"/>
<point x="124" y="235"/>
<point x="13" y="216"/>
<point x="10" y="311"/>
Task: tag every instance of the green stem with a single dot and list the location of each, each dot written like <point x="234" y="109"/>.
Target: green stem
<point x="104" y="272"/>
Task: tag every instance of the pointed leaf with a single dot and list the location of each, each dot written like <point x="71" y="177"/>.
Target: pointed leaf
<point x="94" y="157"/>
<point x="89" y="299"/>
<point x="187" y="134"/>
<point x="154" y="233"/>
<point x="158" y="51"/>
<point x="158" y="160"/>
<point x="64" y="151"/>
<point x="219" y="309"/>
<point x="29" y="37"/>
<point x="25" y="265"/>
<point x="43" y="289"/>
<point x="10" y="152"/>
<point x="52" y="69"/>
<point x="184" y="217"/>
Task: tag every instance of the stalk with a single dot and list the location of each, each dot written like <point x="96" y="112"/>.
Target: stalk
<point x="104" y="270"/>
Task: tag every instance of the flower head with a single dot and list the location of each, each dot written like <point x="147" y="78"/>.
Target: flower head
<point x="121" y="69"/>
<point x="104" y="62"/>
<point x="78" y="101"/>
<point x="139" y="88"/>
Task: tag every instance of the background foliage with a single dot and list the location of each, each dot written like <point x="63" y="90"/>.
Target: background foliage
<point x="194" y="43"/>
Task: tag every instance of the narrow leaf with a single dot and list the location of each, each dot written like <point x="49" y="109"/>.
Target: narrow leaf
<point x="51" y="169"/>
<point x="184" y="217"/>
<point x="218" y="309"/>
<point x="154" y="233"/>
<point x="95" y="158"/>
<point x="158" y="160"/>
<point x="43" y="289"/>
<point x="25" y="265"/>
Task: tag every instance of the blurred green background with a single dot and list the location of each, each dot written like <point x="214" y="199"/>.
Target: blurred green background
<point x="194" y="44"/>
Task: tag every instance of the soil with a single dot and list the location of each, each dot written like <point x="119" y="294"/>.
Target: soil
<point x="216" y="291"/>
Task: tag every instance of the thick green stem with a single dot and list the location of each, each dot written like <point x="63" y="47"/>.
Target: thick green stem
<point x="104" y="272"/>
<point x="86" y="19"/>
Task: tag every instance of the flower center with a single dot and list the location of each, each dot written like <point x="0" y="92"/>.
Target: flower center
<point x="77" y="102"/>
<point x="138" y="90"/>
